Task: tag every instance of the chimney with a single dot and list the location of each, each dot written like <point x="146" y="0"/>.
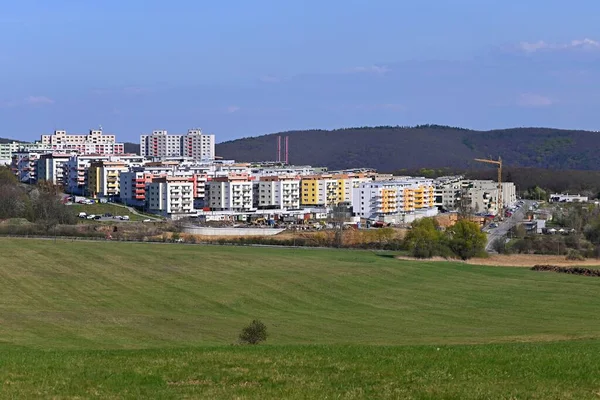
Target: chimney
<point x="278" y="149"/>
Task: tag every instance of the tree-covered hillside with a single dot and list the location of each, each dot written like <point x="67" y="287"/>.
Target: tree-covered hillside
<point x="388" y="148"/>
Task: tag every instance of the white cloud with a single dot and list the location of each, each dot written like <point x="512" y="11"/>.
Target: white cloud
<point x="583" y="44"/>
<point x="232" y="109"/>
<point x="534" y="100"/>
<point x="35" y="100"/>
<point x="373" y="69"/>
<point x="28" y="101"/>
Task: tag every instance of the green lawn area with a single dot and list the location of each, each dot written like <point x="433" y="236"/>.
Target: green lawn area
<point x="85" y="319"/>
<point x="101" y="209"/>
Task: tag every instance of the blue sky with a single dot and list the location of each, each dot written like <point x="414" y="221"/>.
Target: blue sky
<point x="242" y="68"/>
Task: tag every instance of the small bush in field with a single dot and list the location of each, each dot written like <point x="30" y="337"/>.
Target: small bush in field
<point x="254" y="333"/>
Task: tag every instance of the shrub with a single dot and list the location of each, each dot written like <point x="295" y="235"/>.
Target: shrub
<point x="499" y="246"/>
<point x="574" y="255"/>
<point x="254" y="333"/>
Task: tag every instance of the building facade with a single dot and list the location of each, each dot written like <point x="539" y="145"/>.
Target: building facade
<point x="104" y="178"/>
<point x="394" y="201"/>
<point x="278" y="192"/>
<point x="194" y="145"/>
<point x="232" y="193"/>
<point x="95" y="142"/>
<point x="171" y="197"/>
<point x="50" y="168"/>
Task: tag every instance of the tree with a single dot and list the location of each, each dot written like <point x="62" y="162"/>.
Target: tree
<point x="465" y="239"/>
<point x="424" y="240"/>
<point x="499" y="245"/>
<point x="254" y="333"/>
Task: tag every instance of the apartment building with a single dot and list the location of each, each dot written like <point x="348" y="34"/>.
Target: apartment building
<point x="95" y="142"/>
<point x="104" y="178"/>
<point x="329" y="190"/>
<point x="7" y="150"/>
<point x="194" y="145"/>
<point x="171" y="197"/>
<point x="50" y="168"/>
<point x="480" y="196"/>
<point x="232" y="193"/>
<point x="24" y="165"/>
<point x="395" y="201"/>
<point x="483" y="195"/>
<point x="277" y="192"/>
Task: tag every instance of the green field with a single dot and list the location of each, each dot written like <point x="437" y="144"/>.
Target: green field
<point x="85" y="319"/>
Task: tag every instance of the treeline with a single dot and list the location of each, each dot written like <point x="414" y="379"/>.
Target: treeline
<point x="39" y="204"/>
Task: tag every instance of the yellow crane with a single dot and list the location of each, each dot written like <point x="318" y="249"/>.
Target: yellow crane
<point x="500" y="205"/>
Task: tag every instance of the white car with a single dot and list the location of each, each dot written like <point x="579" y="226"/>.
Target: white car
<point x="125" y="218"/>
<point x="91" y="216"/>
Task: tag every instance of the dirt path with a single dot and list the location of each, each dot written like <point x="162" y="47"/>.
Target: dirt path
<point x="520" y="260"/>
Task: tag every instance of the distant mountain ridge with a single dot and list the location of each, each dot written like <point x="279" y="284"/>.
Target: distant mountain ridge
<point x="390" y="148"/>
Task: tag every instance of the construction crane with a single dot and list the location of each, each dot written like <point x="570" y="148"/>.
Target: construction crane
<point x="500" y="204"/>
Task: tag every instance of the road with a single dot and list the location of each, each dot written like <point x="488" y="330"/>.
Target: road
<point x="503" y="227"/>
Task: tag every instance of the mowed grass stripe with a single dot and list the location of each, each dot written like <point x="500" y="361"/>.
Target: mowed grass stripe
<point x="126" y="295"/>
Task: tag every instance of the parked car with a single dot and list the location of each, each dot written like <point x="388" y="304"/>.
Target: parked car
<point x="82" y="215"/>
<point x="91" y="216"/>
<point x="108" y="215"/>
<point x="117" y="217"/>
<point x="147" y="220"/>
<point x="125" y="218"/>
<point x="98" y="217"/>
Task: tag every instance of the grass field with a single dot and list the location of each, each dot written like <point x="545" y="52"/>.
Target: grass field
<point x="82" y="319"/>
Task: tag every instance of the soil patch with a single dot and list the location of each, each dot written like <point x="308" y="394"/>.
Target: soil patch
<point x="519" y="260"/>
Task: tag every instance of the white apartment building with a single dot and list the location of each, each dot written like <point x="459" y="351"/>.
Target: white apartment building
<point x="95" y="142"/>
<point x="278" y="192"/>
<point x="7" y="150"/>
<point x="50" y="168"/>
<point x="194" y="145"/>
<point x="171" y="197"/>
<point x="395" y="201"/>
<point x="233" y="193"/>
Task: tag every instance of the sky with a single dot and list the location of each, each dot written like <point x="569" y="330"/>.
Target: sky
<point x="240" y="68"/>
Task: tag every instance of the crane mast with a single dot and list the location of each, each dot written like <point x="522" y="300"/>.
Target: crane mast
<point x="500" y="205"/>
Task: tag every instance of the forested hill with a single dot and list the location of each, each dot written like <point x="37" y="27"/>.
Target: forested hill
<point x="389" y="148"/>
